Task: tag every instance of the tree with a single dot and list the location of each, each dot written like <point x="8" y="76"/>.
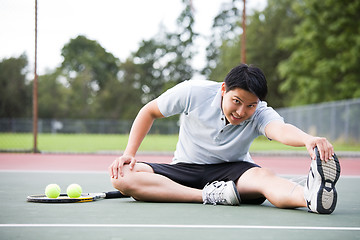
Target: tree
<point x="166" y="59"/>
<point x="15" y="93"/>
<point x="52" y="97"/>
<point x="81" y="96"/>
<point x="87" y="69"/>
<point x="265" y="33"/>
<point x="121" y="97"/>
<point x="265" y="30"/>
<point x="181" y="45"/>
<point x="150" y="60"/>
<point x="324" y="64"/>
<point x="85" y="55"/>
<point x="225" y="29"/>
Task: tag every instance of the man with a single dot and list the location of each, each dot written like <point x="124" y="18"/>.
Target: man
<point x="212" y="163"/>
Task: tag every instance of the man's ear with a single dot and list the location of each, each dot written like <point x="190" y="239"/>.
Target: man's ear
<point x="223" y="89"/>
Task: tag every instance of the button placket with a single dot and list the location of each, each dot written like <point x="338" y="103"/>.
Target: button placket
<point x="219" y="137"/>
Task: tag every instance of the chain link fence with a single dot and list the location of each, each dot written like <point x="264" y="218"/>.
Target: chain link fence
<point x="338" y="121"/>
<point x="76" y="126"/>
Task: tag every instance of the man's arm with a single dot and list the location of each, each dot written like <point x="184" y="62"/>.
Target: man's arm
<point x="141" y="126"/>
<point x="290" y="135"/>
<point x="139" y="129"/>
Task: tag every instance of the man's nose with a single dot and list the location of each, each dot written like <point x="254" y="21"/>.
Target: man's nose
<point x="240" y="111"/>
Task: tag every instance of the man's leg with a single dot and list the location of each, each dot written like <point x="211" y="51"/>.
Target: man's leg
<point x="143" y="184"/>
<point x="282" y="193"/>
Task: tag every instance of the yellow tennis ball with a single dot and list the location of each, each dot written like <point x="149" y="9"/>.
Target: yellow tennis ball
<point x="52" y="190"/>
<point x="74" y="190"/>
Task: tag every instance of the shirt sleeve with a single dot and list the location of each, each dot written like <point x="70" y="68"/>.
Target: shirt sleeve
<point x="175" y="100"/>
<point x="265" y="115"/>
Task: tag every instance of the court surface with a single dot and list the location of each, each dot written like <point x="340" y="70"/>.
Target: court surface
<point x="25" y="174"/>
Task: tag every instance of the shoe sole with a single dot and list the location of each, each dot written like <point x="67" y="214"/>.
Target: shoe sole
<point x="330" y="173"/>
<point x="236" y="192"/>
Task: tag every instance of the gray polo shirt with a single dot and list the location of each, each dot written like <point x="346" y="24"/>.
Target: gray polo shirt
<point x="204" y="136"/>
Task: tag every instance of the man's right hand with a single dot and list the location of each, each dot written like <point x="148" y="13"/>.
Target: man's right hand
<point x="116" y="168"/>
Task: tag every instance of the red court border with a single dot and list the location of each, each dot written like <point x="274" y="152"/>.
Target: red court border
<point x="291" y="165"/>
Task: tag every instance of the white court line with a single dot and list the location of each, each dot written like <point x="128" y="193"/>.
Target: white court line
<point x="178" y="226"/>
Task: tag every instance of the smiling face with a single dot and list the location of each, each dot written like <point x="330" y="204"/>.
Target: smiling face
<point x="238" y="104"/>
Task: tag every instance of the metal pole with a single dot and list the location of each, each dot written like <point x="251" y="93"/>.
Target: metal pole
<point x="243" y="39"/>
<point x="35" y="90"/>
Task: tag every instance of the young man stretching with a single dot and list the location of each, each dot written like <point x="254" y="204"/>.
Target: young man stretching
<point x="212" y="164"/>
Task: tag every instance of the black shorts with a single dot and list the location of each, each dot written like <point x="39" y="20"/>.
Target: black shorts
<point x="198" y="175"/>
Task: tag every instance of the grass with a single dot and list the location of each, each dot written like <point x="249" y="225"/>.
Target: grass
<point x="84" y="142"/>
<point x="89" y="143"/>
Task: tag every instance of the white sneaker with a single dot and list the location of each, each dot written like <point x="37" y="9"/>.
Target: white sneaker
<point x="319" y="192"/>
<point x="224" y="193"/>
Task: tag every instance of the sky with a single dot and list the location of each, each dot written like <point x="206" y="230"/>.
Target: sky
<point x="117" y="25"/>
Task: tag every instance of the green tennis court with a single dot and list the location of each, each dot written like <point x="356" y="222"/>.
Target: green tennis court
<point x="129" y="219"/>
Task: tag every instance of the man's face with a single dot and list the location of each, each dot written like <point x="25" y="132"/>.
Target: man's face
<point x="238" y="104"/>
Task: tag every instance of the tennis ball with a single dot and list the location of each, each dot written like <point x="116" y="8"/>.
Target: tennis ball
<point x="74" y="190"/>
<point x="52" y="190"/>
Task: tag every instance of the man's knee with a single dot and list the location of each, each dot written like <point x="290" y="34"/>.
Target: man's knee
<point x="257" y="173"/>
<point x="122" y="182"/>
<point x="126" y="183"/>
<point x="263" y="172"/>
<point x="254" y="180"/>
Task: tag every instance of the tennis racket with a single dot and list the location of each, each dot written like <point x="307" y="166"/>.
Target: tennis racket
<point x="85" y="197"/>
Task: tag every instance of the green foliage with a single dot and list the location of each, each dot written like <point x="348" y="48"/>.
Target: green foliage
<point x="82" y="55"/>
<point x="165" y="60"/>
<point x="264" y="33"/>
<point x="90" y="143"/>
<point x="220" y="52"/>
<point x="324" y="64"/>
<point x="149" y="74"/>
<point x="89" y="84"/>
<point x="121" y="98"/>
<point x="308" y="50"/>
<point x="15" y="93"/>
<point x="303" y="46"/>
<point x="52" y="97"/>
<point x="89" y="75"/>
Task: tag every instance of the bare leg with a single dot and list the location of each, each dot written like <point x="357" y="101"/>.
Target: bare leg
<point x="143" y="184"/>
<point x="280" y="192"/>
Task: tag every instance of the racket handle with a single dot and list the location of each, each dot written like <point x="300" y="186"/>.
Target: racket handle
<point x="115" y="194"/>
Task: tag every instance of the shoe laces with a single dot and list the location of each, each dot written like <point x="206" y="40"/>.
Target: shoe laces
<point x="214" y="192"/>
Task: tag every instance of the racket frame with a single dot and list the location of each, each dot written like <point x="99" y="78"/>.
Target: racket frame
<point x="64" y="198"/>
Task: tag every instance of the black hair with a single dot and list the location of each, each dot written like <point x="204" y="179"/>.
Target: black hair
<point x="249" y="78"/>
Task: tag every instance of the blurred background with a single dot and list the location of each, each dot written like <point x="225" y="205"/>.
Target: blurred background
<point x="99" y="62"/>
